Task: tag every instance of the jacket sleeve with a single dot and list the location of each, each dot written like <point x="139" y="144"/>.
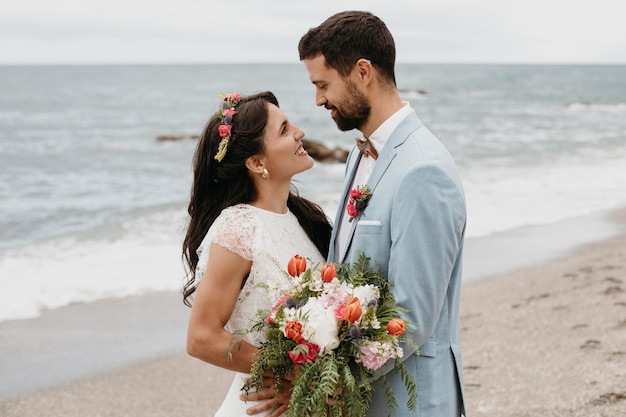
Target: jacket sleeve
<point x="427" y="225"/>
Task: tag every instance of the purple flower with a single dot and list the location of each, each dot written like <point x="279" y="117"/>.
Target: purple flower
<point x="291" y="303"/>
<point x="355" y="332"/>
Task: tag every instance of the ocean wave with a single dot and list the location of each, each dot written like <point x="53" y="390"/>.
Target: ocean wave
<point x="77" y="269"/>
<point x="509" y="197"/>
<point x="618" y="108"/>
<point x="414" y="94"/>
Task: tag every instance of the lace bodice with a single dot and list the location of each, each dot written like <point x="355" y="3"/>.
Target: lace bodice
<point x="269" y="240"/>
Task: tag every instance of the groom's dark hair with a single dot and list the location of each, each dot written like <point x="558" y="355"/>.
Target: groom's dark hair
<point x="348" y="36"/>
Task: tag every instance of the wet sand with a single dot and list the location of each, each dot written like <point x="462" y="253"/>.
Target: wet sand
<point x="549" y="340"/>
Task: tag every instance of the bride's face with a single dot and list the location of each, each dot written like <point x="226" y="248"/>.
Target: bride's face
<point x="284" y="154"/>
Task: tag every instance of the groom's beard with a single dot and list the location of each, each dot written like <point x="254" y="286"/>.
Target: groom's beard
<point x="353" y="110"/>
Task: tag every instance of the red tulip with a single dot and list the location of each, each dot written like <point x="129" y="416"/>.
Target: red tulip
<point x="329" y="272"/>
<point x="296" y="266"/>
<point x="353" y="310"/>
<point x="396" y="327"/>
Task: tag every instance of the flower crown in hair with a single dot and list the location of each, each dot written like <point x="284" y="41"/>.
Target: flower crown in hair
<point x="225" y="113"/>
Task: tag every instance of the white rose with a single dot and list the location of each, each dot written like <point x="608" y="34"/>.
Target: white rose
<point x="320" y="326"/>
<point x="366" y="293"/>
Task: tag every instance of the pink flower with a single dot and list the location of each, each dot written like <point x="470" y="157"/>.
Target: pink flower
<point x="359" y="198"/>
<point x="224" y="130"/>
<point x="352" y="211"/>
<point x="304" y="352"/>
<point x="375" y="354"/>
<point x="229" y="112"/>
<point x="234" y="96"/>
<point x="340" y="311"/>
<point x="355" y="193"/>
<point x="270" y="318"/>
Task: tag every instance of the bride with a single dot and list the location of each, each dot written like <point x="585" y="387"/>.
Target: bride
<point x="246" y="222"/>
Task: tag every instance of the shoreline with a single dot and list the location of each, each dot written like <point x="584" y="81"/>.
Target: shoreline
<point x="126" y="356"/>
<point x="85" y="339"/>
<point x="537" y="244"/>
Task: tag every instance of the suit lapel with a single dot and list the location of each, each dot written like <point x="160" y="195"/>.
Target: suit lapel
<point x="382" y="163"/>
<point x="407" y="126"/>
<point x="353" y="163"/>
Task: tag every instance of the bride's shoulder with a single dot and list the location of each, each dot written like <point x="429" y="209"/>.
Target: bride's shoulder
<point x="238" y="219"/>
<point x="234" y="229"/>
<point x="238" y="212"/>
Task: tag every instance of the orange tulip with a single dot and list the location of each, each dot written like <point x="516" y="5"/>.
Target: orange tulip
<point x="293" y="330"/>
<point x="353" y="310"/>
<point x="329" y="272"/>
<point x="296" y="266"/>
<point x="396" y="327"/>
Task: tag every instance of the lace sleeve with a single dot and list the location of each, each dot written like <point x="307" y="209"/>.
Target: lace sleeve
<point x="233" y="230"/>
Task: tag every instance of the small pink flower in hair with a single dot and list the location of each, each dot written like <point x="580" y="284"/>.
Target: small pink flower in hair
<point x="225" y="113"/>
<point x="224" y="130"/>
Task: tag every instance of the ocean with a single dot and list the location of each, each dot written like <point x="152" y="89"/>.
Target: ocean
<point x="93" y="206"/>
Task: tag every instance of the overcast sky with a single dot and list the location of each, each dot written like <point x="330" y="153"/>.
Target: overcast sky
<point x="213" y="31"/>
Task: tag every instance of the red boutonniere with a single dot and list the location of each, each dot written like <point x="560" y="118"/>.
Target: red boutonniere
<point x="359" y="197"/>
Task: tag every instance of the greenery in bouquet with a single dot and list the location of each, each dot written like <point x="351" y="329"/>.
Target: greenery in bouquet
<point x="337" y="326"/>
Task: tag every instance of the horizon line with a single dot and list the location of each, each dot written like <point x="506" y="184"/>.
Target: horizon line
<point x="191" y="63"/>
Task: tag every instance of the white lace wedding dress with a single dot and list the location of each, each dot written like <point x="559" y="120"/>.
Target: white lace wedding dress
<point x="269" y="240"/>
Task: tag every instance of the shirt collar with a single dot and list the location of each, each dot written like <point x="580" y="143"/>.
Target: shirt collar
<point x="380" y="136"/>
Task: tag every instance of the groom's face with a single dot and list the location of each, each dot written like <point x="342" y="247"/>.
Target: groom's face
<point x="348" y="106"/>
<point x="353" y="109"/>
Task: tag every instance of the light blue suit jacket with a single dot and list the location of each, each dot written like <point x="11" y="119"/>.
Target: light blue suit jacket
<point x="414" y="226"/>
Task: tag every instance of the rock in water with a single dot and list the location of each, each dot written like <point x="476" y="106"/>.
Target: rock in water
<point x="322" y="153"/>
<point x="317" y="150"/>
<point x="170" y="138"/>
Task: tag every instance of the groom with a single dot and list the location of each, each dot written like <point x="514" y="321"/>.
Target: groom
<point x="413" y="224"/>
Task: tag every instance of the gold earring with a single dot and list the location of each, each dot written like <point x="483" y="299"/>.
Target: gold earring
<point x="266" y="174"/>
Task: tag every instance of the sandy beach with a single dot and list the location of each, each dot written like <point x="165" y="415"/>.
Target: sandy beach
<point x="549" y="340"/>
<point x="543" y="335"/>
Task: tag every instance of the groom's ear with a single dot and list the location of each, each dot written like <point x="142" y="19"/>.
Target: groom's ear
<point x="365" y="70"/>
<point x="255" y="164"/>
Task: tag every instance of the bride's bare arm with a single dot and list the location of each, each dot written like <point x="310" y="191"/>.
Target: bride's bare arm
<point x="213" y="305"/>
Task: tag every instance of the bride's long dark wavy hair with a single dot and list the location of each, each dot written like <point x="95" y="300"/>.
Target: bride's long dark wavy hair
<point x="217" y="185"/>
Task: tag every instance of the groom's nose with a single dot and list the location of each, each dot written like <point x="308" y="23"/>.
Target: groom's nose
<point x="320" y="99"/>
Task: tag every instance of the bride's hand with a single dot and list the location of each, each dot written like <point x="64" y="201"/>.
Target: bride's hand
<point x="274" y="401"/>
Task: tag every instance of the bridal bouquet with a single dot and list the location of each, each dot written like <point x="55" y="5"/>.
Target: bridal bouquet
<point x="339" y="325"/>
